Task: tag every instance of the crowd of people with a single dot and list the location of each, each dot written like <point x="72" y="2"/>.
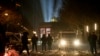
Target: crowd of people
<point x="93" y="39"/>
<point x="46" y="42"/>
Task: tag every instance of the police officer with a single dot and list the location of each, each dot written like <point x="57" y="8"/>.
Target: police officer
<point x="49" y="42"/>
<point x="34" y="42"/>
<point x="44" y="42"/>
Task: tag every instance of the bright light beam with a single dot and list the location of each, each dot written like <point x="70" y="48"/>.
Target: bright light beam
<point x="57" y="9"/>
<point x="44" y="9"/>
<point x="48" y="9"/>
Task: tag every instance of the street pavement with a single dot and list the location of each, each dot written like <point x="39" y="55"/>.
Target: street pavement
<point x="60" y="53"/>
<point x="83" y="51"/>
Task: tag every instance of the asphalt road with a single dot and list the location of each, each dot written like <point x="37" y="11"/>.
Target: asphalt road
<point x="60" y="53"/>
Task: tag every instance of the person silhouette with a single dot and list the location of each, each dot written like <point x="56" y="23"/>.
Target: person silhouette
<point x="25" y="42"/>
<point x="99" y="41"/>
<point x="92" y="38"/>
<point x="34" y="42"/>
<point x="49" y="42"/>
<point x="44" y="42"/>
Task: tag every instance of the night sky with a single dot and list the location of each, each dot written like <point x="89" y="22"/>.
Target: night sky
<point x="78" y="11"/>
<point x="73" y="10"/>
<point x="32" y="12"/>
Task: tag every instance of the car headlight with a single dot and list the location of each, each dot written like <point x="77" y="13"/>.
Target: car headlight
<point x="62" y="43"/>
<point x="76" y="42"/>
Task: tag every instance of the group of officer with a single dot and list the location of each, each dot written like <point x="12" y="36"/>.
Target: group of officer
<point x="46" y="42"/>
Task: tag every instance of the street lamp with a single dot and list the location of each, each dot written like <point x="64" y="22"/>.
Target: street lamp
<point x="95" y="26"/>
<point x="6" y="14"/>
<point x="87" y="28"/>
<point x="34" y="32"/>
